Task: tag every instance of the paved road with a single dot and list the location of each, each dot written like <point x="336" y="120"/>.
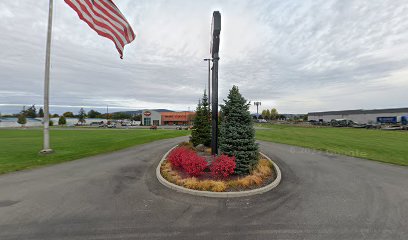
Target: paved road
<point x="116" y="196"/>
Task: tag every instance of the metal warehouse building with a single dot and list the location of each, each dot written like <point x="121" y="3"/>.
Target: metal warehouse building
<point x="392" y="115"/>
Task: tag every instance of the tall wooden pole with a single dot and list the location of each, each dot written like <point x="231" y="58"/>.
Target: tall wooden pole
<point x="46" y="120"/>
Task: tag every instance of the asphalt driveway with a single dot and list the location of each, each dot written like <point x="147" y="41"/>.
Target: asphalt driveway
<point x="117" y="196"/>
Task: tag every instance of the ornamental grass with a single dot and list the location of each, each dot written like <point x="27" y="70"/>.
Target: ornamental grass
<point x="261" y="173"/>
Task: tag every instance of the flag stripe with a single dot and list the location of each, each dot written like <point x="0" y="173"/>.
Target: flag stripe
<point x="110" y="5"/>
<point x="125" y="25"/>
<point x="101" y="31"/>
<point x="118" y="27"/>
<point x="105" y="18"/>
<point x="101" y="22"/>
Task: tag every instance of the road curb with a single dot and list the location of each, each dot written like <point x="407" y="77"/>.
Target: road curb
<point x="261" y="190"/>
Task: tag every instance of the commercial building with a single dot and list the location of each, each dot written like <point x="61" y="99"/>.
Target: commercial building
<point x="393" y="115"/>
<point x="151" y="117"/>
<point x="177" y="118"/>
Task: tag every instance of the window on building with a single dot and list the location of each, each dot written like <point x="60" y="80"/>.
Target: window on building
<point x="147" y="121"/>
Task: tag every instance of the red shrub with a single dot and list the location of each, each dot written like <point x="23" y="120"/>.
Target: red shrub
<point x="188" y="160"/>
<point x="222" y="166"/>
<point x="193" y="164"/>
<point x="176" y="155"/>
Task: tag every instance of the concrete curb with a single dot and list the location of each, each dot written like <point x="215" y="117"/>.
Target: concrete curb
<point x="261" y="190"/>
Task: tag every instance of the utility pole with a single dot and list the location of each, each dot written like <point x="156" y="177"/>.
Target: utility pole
<point x="107" y="114"/>
<point x="257" y="104"/>
<point x="46" y="145"/>
<point x="209" y="80"/>
<point x="215" y="46"/>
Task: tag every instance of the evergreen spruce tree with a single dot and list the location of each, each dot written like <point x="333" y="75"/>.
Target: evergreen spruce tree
<point x="62" y="121"/>
<point x="81" y="116"/>
<point x="201" y="132"/>
<point x="22" y="119"/>
<point x="237" y="134"/>
<point x="31" y="112"/>
<point x="41" y="113"/>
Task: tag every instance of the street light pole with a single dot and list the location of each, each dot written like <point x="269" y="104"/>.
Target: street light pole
<point x="46" y="144"/>
<point x="257" y="104"/>
<point x="107" y="114"/>
<point x="209" y="80"/>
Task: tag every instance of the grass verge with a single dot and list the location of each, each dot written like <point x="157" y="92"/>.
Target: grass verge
<point x="384" y="146"/>
<point x="19" y="147"/>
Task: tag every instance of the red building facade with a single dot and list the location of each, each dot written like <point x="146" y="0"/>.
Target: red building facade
<point x="177" y="118"/>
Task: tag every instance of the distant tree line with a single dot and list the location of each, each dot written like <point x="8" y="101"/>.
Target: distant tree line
<point x="95" y="114"/>
<point x="274" y="115"/>
<point x="270" y="115"/>
<point x="31" y="112"/>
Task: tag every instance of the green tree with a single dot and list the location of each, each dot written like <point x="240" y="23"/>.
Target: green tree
<point x="62" y="121"/>
<point x="94" y="114"/>
<point x="201" y="131"/>
<point x="41" y="112"/>
<point x="22" y="119"/>
<point x="121" y="115"/>
<point x="267" y="114"/>
<point x="107" y="116"/>
<point x="263" y="114"/>
<point x="137" y="117"/>
<point x="274" y="114"/>
<point x="81" y="116"/>
<point x="237" y="134"/>
<point x="305" y="117"/>
<point x="282" y="116"/>
<point x="55" y="115"/>
<point x="31" y="112"/>
<point x="68" y="114"/>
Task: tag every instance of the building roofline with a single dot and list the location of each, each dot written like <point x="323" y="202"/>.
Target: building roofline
<point x="360" y="111"/>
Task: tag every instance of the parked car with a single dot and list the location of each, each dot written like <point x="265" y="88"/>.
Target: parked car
<point x="153" y="127"/>
<point x="341" y="123"/>
<point x="94" y="124"/>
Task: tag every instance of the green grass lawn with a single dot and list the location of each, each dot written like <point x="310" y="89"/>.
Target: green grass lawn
<point x="384" y="146"/>
<point x="19" y="147"/>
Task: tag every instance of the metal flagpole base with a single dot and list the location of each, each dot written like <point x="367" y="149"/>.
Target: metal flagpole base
<point x="46" y="151"/>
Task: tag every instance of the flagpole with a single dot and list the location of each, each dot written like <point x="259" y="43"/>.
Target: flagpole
<point x="46" y="119"/>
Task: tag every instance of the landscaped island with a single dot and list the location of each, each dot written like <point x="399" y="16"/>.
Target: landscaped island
<point x="191" y="168"/>
<point x="238" y="167"/>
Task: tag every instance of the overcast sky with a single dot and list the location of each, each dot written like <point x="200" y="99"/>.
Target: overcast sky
<point x="297" y="56"/>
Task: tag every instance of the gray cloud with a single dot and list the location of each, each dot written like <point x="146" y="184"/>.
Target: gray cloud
<point x="297" y="56"/>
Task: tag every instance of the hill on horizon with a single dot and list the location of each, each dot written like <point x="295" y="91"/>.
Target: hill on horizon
<point x="137" y="112"/>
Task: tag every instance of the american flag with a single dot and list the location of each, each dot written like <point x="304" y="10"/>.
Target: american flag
<point x="105" y="18"/>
